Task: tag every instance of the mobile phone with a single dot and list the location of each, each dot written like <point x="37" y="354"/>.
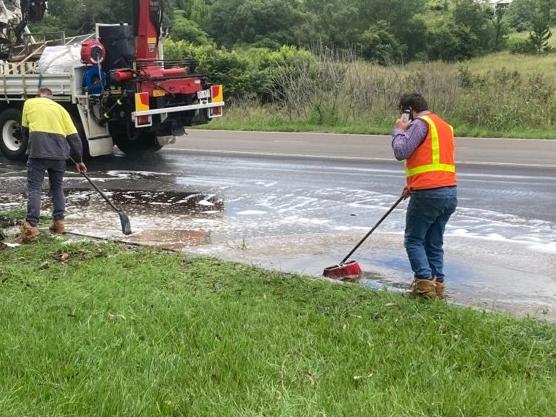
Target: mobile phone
<point x="406" y="115"/>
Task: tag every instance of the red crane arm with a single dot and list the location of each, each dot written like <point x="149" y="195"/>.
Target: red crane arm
<point x="148" y="22"/>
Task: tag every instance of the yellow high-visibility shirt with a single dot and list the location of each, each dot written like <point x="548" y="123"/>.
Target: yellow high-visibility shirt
<point x="52" y="134"/>
<point x="41" y="114"/>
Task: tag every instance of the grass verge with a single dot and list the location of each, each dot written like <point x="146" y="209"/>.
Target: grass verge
<point x="95" y="329"/>
<point x="262" y="118"/>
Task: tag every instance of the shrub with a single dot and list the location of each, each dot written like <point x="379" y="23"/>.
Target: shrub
<point x="187" y="30"/>
<point x="451" y="42"/>
<point x="379" y="45"/>
<point x="502" y="100"/>
<point x="521" y="46"/>
<point x="245" y="73"/>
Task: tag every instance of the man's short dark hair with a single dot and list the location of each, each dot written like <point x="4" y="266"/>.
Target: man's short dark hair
<point x="414" y="101"/>
<point x="45" y="92"/>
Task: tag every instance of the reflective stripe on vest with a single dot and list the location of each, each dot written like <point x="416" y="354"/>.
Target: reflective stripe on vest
<point x="435" y="165"/>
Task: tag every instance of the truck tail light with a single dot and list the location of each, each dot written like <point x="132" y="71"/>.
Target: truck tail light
<point x="215" y="112"/>
<point x="143" y="120"/>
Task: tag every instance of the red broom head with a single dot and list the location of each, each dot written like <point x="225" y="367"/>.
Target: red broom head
<point x="349" y="271"/>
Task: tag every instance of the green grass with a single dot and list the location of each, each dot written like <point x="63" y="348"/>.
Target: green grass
<point x="525" y="35"/>
<point x="95" y="329"/>
<point x="260" y="119"/>
<point x="525" y="64"/>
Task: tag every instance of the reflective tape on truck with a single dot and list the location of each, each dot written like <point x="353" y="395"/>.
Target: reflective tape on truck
<point x="142" y="104"/>
<point x="217" y="93"/>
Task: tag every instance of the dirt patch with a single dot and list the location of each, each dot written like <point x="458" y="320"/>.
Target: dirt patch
<point x="172" y="239"/>
<point x="75" y="254"/>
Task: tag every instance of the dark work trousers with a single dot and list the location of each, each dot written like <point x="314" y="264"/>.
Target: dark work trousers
<point x="35" y="177"/>
<point x="427" y="214"/>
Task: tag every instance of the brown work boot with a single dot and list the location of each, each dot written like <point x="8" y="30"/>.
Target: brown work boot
<point x="423" y="288"/>
<point x="57" y="227"/>
<point x="440" y="288"/>
<point x="28" y="233"/>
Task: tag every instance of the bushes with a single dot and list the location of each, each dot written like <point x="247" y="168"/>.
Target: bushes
<point x="188" y="30"/>
<point x="502" y="100"/>
<point x="521" y="46"/>
<point x="379" y="45"/>
<point x="330" y="89"/>
<point x="245" y="73"/>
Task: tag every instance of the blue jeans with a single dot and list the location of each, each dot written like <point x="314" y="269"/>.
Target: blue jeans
<point x="427" y="214"/>
<point x="35" y="177"/>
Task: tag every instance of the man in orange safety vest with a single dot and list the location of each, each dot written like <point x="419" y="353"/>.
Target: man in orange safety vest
<point x="426" y="142"/>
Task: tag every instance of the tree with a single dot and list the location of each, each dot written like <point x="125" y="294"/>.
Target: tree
<point x="188" y="30"/>
<point x="378" y="44"/>
<point x="450" y="42"/>
<point x="500" y="28"/>
<point x="540" y="31"/>
<point x="475" y="21"/>
<point x="235" y="22"/>
<point x="403" y="18"/>
<point x="521" y="14"/>
<point x="199" y="12"/>
<point x="335" y="23"/>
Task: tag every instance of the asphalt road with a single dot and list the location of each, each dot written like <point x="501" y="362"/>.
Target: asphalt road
<point x="299" y="202"/>
<point x="511" y="176"/>
<point x="490" y="152"/>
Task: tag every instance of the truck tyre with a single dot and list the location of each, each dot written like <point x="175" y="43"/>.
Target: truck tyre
<point x="145" y="142"/>
<point x="12" y="143"/>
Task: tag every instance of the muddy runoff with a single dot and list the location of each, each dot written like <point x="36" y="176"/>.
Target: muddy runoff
<point x="163" y="219"/>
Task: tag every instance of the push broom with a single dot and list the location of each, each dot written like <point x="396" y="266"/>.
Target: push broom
<point x="351" y="271"/>
<point x="124" y="219"/>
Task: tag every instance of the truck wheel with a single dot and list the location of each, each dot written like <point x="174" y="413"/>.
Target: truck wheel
<point x="12" y="143"/>
<point x="145" y="142"/>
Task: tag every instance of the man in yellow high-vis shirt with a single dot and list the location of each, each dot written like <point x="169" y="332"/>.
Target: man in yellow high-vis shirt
<point x="52" y="139"/>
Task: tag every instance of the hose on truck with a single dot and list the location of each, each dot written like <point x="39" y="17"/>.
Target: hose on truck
<point x="106" y="115"/>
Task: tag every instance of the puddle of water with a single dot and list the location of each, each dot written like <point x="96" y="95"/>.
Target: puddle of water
<point x="151" y="201"/>
<point x="137" y="175"/>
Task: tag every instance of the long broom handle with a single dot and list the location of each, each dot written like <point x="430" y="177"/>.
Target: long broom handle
<point x="116" y="209"/>
<point x="98" y="190"/>
<point x="402" y="197"/>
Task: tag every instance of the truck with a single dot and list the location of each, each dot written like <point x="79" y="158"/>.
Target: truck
<point x="120" y="91"/>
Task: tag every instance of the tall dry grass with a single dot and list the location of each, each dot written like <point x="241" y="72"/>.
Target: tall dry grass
<point x="342" y="91"/>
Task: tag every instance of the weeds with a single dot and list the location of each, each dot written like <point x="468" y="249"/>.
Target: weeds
<point x="344" y="94"/>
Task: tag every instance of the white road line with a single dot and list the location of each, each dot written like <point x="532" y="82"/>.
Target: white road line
<point x="349" y="158"/>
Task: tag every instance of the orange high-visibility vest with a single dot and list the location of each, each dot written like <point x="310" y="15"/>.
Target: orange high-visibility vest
<point x="432" y="164"/>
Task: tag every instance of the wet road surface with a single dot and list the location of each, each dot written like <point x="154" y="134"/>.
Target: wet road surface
<point x="296" y="213"/>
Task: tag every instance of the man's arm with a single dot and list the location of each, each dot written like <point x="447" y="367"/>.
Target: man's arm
<point x="404" y="142"/>
<point x="25" y="122"/>
<point x="76" y="147"/>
